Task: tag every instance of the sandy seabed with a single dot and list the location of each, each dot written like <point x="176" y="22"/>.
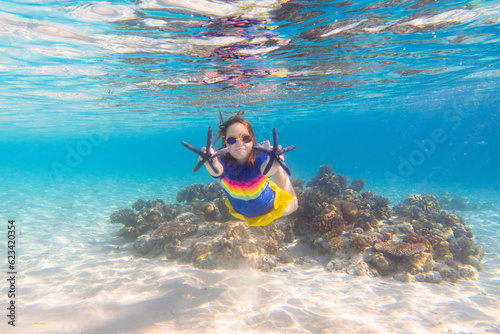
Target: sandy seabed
<point x="75" y="276"/>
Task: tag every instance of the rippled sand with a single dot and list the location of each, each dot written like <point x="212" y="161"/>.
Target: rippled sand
<point x="75" y="276"/>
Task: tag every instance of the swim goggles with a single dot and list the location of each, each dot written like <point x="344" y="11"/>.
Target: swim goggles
<point x="233" y="140"/>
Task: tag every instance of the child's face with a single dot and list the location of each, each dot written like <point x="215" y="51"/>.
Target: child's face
<point x="239" y="150"/>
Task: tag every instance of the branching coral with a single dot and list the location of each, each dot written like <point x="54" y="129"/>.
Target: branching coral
<point x="126" y="217"/>
<point x="330" y="222"/>
<point x="328" y="182"/>
<point x="417" y="206"/>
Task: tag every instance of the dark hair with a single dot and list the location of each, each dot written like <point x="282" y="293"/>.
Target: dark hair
<point x="222" y="134"/>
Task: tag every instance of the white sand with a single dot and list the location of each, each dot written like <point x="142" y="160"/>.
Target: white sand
<point x="75" y="276"/>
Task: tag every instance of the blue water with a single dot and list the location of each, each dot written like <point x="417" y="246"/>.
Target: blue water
<point x="96" y="97"/>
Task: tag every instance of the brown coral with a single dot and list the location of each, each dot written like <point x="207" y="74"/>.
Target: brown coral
<point x="209" y="210"/>
<point x="360" y="243"/>
<point x="357" y="185"/>
<point x="312" y="201"/>
<point x="349" y="211"/>
<point x="400" y="248"/>
<point x="414" y="238"/>
<point x="175" y="230"/>
<point x="238" y="245"/>
<point x="138" y="205"/>
<point x="182" y="226"/>
<point x="365" y="220"/>
<point x="382" y="264"/>
<point x="380" y="207"/>
<point x="448" y="219"/>
<point x="129" y="232"/>
<point x="417" y="206"/>
<point x="199" y="192"/>
<point x="331" y="222"/>
<point x="328" y="182"/>
<point x="418" y="263"/>
<point x="123" y="216"/>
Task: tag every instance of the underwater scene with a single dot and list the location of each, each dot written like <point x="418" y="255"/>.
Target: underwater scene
<point x="363" y="198"/>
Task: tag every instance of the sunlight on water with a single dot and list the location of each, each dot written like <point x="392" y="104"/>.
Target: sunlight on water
<point x="112" y="47"/>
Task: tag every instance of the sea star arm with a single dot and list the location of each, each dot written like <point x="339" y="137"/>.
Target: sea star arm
<point x="274" y="154"/>
<point x="206" y="156"/>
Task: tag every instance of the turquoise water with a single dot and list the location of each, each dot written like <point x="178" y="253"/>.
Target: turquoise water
<point x="96" y="97"/>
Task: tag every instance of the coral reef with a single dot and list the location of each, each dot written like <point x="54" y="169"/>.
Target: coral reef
<point x="328" y="182"/>
<point x="361" y="242"/>
<point x="357" y="185"/>
<point x="349" y="210"/>
<point x="399" y="248"/>
<point x="123" y="216"/>
<point x="182" y="226"/>
<point x="330" y="222"/>
<point x="199" y="192"/>
<point x="351" y="232"/>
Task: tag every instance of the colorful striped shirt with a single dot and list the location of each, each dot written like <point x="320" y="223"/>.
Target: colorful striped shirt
<point x="247" y="189"/>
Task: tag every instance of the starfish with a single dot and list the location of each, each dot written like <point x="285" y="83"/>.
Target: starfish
<point x="274" y="154"/>
<point x="206" y="156"/>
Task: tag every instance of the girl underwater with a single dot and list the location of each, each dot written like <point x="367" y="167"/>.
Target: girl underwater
<point x="252" y="196"/>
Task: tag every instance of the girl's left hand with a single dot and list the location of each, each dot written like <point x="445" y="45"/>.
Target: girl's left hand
<point x="281" y="157"/>
<point x="267" y="145"/>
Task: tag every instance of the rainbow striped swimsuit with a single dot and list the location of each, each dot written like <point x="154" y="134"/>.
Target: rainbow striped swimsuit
<point x="247" y="189"/>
